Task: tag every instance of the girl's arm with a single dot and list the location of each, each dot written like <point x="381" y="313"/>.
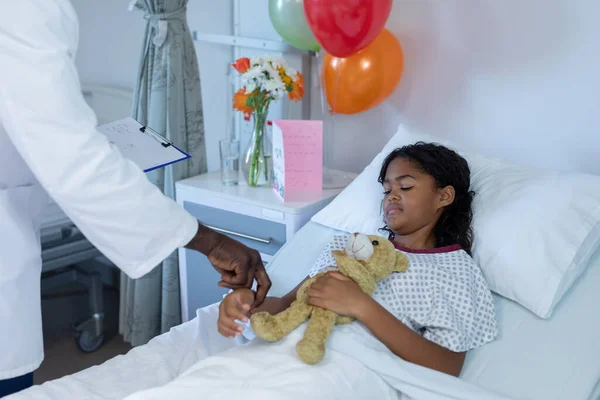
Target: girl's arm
<point x="234" y="309"/>
<point x="275" y="305"/>
<point x="343" y="296"/>
<point x="404" y="342"/>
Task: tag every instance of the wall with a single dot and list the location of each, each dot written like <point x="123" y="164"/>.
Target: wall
<point x="517" y="79"/>
<point x="110" y="42"/>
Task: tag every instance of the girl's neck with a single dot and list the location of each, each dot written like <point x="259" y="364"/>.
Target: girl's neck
<point x="416" y="241"/>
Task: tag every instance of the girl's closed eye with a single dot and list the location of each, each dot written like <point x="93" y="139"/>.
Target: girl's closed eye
<point x="404" y="189"/>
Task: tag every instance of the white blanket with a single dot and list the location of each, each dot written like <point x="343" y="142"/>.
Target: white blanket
<point x="156" y="363"/>
<point x="518" y="364"/>
<point x="356" y="366"/>
<point x="194" y="361"/>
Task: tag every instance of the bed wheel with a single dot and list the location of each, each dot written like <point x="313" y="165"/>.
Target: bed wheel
<point x="89" y="335"/>
<point x="88" y="342"/>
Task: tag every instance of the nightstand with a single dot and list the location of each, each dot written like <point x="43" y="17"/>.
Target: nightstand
<point x="256" y="217"/>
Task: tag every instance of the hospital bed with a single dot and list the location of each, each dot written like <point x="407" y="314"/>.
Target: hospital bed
<point x="556" y="358"/>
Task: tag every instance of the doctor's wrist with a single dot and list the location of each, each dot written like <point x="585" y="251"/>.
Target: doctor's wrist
<point x="205" y="240"/>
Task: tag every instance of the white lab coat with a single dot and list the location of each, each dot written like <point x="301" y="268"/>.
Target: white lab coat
<point x="49" y="145"/>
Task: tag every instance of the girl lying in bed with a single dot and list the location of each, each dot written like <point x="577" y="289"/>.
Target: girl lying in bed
<point x="441" y="307"/>
<point x="430" y="315"/>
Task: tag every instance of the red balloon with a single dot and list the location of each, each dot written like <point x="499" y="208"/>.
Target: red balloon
<point x="344" y="27"/>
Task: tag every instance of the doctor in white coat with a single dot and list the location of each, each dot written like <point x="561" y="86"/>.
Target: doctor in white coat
<point x="49" y="146"/>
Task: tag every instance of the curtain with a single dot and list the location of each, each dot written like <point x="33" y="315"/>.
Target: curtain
<point x="166" y="99"/>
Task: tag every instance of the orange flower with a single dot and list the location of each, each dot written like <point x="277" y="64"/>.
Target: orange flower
<point x="297" y="91"/>
<point x="240" y="102"/>
<point x="242" y="65"/>
<point x="296" y="94"/>
<point x="300" y="80"/>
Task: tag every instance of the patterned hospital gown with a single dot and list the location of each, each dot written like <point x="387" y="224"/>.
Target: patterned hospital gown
<point x="443" y="296"/>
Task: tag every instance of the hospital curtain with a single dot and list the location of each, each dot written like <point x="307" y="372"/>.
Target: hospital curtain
<point x="166" y="99"/>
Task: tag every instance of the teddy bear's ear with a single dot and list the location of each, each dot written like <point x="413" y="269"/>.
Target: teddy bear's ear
<point x="401" y="262"/>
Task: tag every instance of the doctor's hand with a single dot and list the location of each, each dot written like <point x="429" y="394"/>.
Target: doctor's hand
<point x="238" y="264"/>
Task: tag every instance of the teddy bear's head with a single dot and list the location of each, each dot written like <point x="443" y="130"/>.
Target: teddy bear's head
<point x="377" y="254"/>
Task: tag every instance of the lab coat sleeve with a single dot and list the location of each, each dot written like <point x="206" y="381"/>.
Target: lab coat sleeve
<point x="46" y="117"/>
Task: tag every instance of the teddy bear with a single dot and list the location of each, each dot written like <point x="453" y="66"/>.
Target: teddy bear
<point x="366" y="259"/>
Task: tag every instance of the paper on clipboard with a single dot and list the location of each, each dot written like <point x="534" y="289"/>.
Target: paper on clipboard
<point x="143" y="146"/>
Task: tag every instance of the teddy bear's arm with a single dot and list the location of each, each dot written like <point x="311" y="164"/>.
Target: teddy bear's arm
<point x="356" y="271"/>
<point x="401" y="262"/>
<point x="274" y="327"/>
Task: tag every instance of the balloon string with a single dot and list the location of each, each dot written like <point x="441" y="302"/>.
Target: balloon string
<point x="320" y="78"/>
<point x="327" y="139"/>
<point x="331" y="136"/>
<point x="337" y="82"/>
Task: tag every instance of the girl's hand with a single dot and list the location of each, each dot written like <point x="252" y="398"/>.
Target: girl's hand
<point x="236" y="306"/>
<point x="338" y="293"/>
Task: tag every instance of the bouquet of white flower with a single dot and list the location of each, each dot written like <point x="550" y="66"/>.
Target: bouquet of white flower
<point x="265" y="79"/>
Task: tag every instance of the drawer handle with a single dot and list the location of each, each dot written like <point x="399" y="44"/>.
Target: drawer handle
<point x="225" y="231"/>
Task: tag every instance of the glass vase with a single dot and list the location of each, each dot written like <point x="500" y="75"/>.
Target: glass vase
<point x="257" y="163"/>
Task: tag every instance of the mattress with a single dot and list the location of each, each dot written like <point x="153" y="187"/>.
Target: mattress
<point x="532" y="359"/>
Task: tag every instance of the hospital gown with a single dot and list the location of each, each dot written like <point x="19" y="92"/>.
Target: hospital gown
<point x="443" y="296"/>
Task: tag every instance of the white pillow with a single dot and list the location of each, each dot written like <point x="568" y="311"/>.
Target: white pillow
<point x="535" y="230"/>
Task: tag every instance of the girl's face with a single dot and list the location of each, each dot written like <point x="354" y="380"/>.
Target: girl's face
<point x="412" y="200"/>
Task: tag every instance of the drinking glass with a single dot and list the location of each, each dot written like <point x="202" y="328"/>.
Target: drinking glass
<point x="230" y="161"/>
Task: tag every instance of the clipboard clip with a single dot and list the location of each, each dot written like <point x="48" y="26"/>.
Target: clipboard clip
<point x="164" y="142"/>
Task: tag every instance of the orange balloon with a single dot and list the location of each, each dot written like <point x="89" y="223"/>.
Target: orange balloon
<point x="364" y="80"/>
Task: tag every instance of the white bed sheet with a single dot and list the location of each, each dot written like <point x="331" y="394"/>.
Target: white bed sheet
<point x="532" y="359"/>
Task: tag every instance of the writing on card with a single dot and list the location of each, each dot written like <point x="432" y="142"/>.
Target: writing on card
<point x="297" y="156"/>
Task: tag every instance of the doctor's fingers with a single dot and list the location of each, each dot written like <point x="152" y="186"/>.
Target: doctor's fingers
<point x="241" y="278"/>
<point x="227" y="285"/>
<point x="245" y="267"/>
<point x="238" y="276"/>
<point x="223" y="272"/>
<point x="223" y="261"/>
<point x="263" y="285"/>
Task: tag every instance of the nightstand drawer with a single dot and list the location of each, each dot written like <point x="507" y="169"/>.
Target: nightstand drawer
<point x="265" y="236"/>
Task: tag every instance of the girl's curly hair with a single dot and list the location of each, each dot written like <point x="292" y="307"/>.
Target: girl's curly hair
<point x="448" y="168"/>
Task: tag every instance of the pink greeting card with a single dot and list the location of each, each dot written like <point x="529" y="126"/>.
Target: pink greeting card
<point x="297" y="156"/>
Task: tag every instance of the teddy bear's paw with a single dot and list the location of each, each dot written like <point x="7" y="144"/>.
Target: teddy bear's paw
<point x="343" y="320"/>
<point x="266" y="326"/>
<point x="310" y="351"/>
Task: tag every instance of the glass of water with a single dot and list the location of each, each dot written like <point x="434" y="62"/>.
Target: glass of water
<point x="230" y="161"/>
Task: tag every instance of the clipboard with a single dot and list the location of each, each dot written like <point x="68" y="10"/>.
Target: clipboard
<point x="140" y="144"/>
